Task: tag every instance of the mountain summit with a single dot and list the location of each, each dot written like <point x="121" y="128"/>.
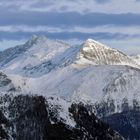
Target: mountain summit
<point x="101" y="54"/>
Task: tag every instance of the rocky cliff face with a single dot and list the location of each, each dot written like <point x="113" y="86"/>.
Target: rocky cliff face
<point x="6" y="84"/>
<point x="29" y="117"/>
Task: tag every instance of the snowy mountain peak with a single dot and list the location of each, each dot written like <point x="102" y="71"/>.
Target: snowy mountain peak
<point x="43" y="41"/>
<point x="92" y="42"/>
<point x="36" y="40"/>
<point x="38" y="37"/>
<point x="94" y="45"/>
<point x="37" y="56"/>
<point x="97" y="53"/>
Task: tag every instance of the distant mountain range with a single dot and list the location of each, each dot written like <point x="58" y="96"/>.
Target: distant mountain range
<point x="49" y="88"/>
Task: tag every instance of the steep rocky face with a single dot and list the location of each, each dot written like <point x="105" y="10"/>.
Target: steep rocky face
<point x="29" y="118"/>
<point x="100" y="54"/>
<point x="4" y="81"/>
<point x="6" y="84"/>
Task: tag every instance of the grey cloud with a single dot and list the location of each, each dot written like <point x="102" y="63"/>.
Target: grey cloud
<point x="68" y="19"/>
<point x="72" y="5"/>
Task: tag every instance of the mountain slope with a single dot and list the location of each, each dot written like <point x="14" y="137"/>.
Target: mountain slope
<point x="104" y="79"/>
<point x="37" y="56"/>
<point x="93" y="84"/>
<point x="89" y="73"/>
<point x="31" y="118"/>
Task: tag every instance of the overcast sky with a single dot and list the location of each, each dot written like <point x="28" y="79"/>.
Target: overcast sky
<point x="113" y="22"/>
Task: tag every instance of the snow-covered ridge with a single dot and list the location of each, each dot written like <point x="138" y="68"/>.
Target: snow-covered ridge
<point x="40" y="57"/>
